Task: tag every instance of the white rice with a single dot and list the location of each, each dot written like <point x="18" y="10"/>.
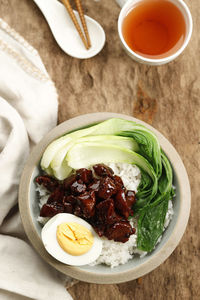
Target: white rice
<point x="43" y="197"/>
<point x="130" y="174"/>
<point x="115" y="253"/>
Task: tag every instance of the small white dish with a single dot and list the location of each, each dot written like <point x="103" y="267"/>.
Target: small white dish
<point x="65" y="32"/>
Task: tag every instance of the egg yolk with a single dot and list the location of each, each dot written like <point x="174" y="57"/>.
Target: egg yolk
<point x="74" y="238"/>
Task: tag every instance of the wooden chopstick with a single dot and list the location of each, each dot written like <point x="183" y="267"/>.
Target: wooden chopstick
<point x="73" y="17"/>
<point x="82" y="18"/>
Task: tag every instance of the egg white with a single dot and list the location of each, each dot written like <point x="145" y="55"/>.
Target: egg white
<point x="52" y="246"/>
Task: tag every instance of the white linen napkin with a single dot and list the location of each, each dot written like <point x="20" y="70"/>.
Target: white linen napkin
<point x="28" y="110"/>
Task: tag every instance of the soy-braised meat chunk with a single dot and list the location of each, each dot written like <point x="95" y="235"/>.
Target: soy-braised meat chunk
<point x="78" y="211"/>
<point x="84" y="174"/>
<point x="69" y="203"/>
<point x="70" y="199"/>
<point x="102" y="170"/>
<point x="78" y="187"/>
<point x="99" y="228"/>
<point x="130" y="198"/>
<point x="69" y="181"/>
<point x="48" y="182"/>
<point x="68" y="208"/>
<point x="103" y="201"/>
<point x="121" y="203"/>
<point x="118" y="182"/>
<point x="107" y="188"/>
<point x="52" y="209"/>
<point x="94" y="185"/>
<point x="119" y="231"/>
<point x="105" y="212"/>
<point x="56" y="196"/>
<point x="87" y="203"/>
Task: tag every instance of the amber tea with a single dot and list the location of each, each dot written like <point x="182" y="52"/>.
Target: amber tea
<point x="154" y="28"/>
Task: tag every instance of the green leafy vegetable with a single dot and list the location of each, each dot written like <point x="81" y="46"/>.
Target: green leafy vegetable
<point x="151" y="223"/>
<point x="152" y="215"/>
<point x="149" y="147"/>
<point x="87" y="153"/>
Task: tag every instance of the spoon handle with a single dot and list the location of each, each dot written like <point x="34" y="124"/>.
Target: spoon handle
<point x="65" y="32"/>
<point x="58" y="20"/>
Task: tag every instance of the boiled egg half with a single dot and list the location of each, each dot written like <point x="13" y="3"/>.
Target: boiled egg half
<point x="71" y="240"/>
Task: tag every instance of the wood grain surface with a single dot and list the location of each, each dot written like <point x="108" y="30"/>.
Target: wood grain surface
<point x="168" y="97"/>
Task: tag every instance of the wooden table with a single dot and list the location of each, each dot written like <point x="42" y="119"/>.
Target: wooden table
<point x="166" y="97"/>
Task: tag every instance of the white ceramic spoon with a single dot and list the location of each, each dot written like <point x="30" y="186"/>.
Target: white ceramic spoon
<point x="65" y="32"/>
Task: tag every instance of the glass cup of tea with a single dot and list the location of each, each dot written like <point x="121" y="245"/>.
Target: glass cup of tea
<point x="154" y="32"/>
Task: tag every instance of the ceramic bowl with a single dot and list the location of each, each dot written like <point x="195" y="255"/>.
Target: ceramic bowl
<point x="134" y="268"/>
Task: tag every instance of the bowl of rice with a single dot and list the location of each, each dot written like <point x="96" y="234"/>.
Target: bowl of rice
<point x="118" y="261"/>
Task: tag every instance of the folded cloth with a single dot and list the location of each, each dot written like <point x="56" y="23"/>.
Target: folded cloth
<point x="28" y="110"/>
